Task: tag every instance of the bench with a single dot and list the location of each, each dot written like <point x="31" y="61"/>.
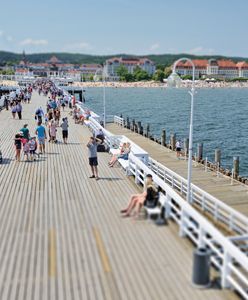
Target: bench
<point x="135" y="149"/>
<point x="125" y="165"/>
<point x="158" y="209"/>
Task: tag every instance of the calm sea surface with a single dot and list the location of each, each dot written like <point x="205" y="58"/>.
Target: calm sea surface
<point x="220" y="116"/>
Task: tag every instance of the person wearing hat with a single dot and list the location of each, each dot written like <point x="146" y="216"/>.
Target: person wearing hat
<point x="25" y="132"/>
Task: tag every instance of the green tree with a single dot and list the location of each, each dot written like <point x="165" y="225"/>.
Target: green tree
<point x="122" y="72"/>
<point x="140" y="74"/>
<point x="184" y="77"/>
<point x="160" y="67"/>
<point x="158" y="75"/>
<point x="167" y="72"/>
<point x="91" y="77"/>
<point x="7" y="72"/>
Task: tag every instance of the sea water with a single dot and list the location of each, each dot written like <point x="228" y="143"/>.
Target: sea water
<point x="220" y="116"/>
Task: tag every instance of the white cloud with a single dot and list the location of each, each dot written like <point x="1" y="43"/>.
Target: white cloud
<point x="32" y="42"/>
<point x="196" y="50"/>
<point x="201" y="50"/>
<point x="154" y="46"/>
<point x="80" y="46"/>
<point x="1" y="33"/>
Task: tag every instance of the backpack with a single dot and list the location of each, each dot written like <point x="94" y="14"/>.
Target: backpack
<point x="152" y="196"/>
<point x="37" y="111"/>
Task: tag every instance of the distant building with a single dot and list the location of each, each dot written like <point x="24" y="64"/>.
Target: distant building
<point x="222" y="69"/>
<point x="89" y="70"/>
<point x="112" y="65"/>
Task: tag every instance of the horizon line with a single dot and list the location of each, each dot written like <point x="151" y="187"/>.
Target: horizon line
<point x="119" y="54"/>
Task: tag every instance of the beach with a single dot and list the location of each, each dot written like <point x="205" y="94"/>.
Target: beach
<point x="155" y="84"/>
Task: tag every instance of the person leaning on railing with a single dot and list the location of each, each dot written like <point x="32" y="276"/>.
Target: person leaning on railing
<point x="136" y="201"/>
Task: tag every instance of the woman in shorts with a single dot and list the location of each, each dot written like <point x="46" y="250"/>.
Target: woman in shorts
<point x="18" y="146"/>
<point x="178" y="149"/>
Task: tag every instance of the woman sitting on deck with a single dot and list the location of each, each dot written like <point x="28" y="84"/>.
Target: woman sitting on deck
<point x="124" y="153"/>
<point x="136" y="201"/>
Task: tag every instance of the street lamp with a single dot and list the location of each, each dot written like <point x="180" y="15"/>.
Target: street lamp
<point x="101" y="71"/>
<point x="175" y="81"/>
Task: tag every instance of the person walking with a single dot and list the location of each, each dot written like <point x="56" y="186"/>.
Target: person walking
<point x="25" y="132"/>
<point x="92" y="153"/>
<point x="18" y="146"/>
<point x="41" y="133"/>
<point x="19" y="110"/>
<point x="52" y="131"/>
<point x="178" y="148"/>
<point x="39" y="113"/>
<point x="64" y="125"/>
<point x="13" y="110"/>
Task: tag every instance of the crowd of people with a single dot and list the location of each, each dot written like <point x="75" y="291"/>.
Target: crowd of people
<point x="48" y="123"/>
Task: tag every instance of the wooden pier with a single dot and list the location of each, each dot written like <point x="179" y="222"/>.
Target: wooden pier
<point x="233" y="194"/>
<point x="62" y="236"/>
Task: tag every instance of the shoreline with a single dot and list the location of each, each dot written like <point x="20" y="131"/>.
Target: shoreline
<point x="147" y="84"/>
<point x="153" y="84"/>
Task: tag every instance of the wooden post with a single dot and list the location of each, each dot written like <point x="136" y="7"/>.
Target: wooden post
<point x="217" y="157"/>
<point x="235" y="166"/>
<point x="139" y="127"/>
<point x="199" y="151"/>
<point x="173" y="141"/>
<point x="163" y="137"/>
<point x="128" y="123"/>
<point x="147" y="130"/>
<point x="133" y="125"/>
<point x="186" y="146"/>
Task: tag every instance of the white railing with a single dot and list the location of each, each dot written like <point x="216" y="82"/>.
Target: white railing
<point x="225" y="256"/>
<point x="220" y="212"/>
<point x="119" y="121"/>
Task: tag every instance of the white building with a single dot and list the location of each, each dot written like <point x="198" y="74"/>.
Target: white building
<point x="223" y="69"/>
<point x="111" y="66"/>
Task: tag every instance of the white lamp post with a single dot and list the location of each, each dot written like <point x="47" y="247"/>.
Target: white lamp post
<point x="104" y="92"/>
<point x="175" y="81"/>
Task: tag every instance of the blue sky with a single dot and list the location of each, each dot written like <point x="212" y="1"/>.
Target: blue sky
<point x="125" y="26"/>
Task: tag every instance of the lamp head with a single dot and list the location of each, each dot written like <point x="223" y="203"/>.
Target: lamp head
<point x="174" y="80"/>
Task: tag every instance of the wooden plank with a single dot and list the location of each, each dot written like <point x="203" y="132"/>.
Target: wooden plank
<point x="48" y="211"/>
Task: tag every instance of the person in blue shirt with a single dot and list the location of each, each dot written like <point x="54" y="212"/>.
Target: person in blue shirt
<point x="41" y="133"/>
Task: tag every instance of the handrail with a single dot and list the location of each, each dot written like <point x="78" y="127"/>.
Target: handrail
<point x="232" y="263"/>
<point x="236" y="221"/>
<point x="119" y="120"/>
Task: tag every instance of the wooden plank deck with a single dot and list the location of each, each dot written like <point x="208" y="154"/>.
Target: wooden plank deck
<point x="235" y="195"/>
<point x="62" y="236"/>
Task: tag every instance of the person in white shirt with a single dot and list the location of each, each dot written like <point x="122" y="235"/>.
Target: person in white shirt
<point x="178" y="149"/>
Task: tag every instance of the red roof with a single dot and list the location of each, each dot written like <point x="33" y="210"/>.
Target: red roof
<point x="199" y="63"/>
<point x="242" y="65"/>
<point x="226" y="64"/>
<point x="91" y="66"/>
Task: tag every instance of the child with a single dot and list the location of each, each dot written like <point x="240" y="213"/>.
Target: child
<point x="18" y="146"/>
<point x="26" y="149"/>
<point x="46" y="119"/>
<point x="32" y="148"/>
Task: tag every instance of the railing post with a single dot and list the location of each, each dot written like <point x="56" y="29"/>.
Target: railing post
<point x="186" y="147"/>
<point x="225" y="270"/>
<point x="167" y="206"/>
<point x="163" y="137"/>
<point x="201" y="242"/>
<point x="136" y="174"/>
<point x="236" y="166"/>
<point x="182" y="224"/>
<point x="217" y="156"/>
